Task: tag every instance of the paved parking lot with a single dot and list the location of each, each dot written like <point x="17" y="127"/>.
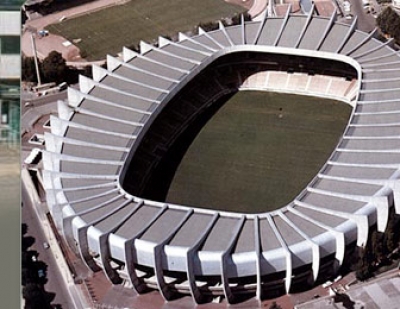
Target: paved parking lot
<point x="383" y="292"/>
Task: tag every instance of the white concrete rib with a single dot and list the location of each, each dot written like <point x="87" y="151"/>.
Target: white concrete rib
<point x="98" y="191"/>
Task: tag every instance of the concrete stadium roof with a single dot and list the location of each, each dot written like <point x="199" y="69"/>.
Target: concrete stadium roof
<point x="102" y="124"/>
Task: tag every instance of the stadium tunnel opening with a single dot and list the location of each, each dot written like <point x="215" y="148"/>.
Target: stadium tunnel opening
<point x="150" y="169"/>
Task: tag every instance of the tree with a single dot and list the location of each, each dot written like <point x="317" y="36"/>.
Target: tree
<point x="364" y="266"/>
<point x="390" y="236"/>
<point x="35" y="297"/>
<point x="377" y="246"/>
<point x="27" y="276"/>
<point x="87" y="71"/>
<point x="28" y="69"/>
<point x="54" y="67"/>
<point x="237" y="18"/>
<point x="24" y="229"/>
<point x="209" y="26"/>
<point x="274" y="305"/>
<point x="389" y="23"/>
<point x="363" y="272"/>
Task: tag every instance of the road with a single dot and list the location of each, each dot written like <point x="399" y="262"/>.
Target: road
<point x="55" y="283"/>
<point x="40" y="101"/>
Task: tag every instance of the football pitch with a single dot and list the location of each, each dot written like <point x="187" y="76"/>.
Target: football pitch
<point x="258" y="152"/>
<point x="107" y="31"/>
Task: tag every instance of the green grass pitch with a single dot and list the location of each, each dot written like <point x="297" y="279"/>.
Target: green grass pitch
<point x="107" y="31"/>
<point x="258" y="152"/>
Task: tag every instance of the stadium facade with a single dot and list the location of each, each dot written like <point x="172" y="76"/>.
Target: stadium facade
<point x="122" y="127"/>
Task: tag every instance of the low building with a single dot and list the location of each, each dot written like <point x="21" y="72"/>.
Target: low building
<point x="10" y="71"/>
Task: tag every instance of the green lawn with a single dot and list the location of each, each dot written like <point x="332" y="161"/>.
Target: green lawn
<point x="250" y="159"/>
<point x="107" y="31"/>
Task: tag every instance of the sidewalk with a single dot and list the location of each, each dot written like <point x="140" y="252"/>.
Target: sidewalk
<point x="75" y="294"/>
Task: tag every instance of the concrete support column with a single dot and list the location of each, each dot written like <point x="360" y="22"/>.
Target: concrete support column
<point x="257" y="238"/>
<point x="130" y="253"/>
<point x="137" y="284"/>
<point x="225" y="257"/>
<point x="190" y="261"/>
<point x="288" y="254"/>
<point x="83" y="245"/>
<point x="105" y="257"/>
<point x="158" y="253"/>
<point x="395" y="185"/>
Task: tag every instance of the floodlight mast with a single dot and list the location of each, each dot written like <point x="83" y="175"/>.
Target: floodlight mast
<point x="35" y="58"/>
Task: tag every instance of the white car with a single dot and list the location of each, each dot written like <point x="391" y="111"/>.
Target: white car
<point x="43" y="33"/>
<point x="346" y="6"/>
<point x="46" y="245"/>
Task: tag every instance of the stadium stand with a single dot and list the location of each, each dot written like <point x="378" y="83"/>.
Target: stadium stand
<point x="112" y="141"/>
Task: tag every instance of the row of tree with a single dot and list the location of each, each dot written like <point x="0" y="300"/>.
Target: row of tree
<point x="53" y="68"/>
<point x="380" y="249"/>
<point x="33" y="291"/>
<point x="214" y="25"/>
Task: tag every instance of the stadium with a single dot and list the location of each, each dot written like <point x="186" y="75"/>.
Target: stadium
<point x="107" y="159"/>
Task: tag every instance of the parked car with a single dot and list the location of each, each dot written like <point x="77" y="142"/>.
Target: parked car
<point x="346" y="6"/>
<point x="46" y="245"/>
<point x="41" y="273"/>
<point x="43" y="33"/>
